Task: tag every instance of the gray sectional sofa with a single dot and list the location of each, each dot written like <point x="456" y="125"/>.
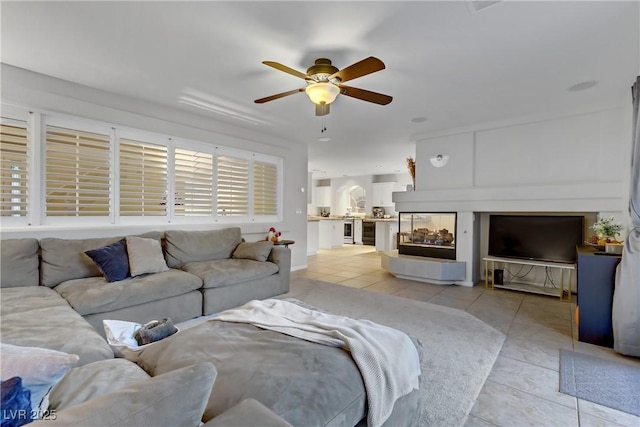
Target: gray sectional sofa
<point x="52" y="296"/>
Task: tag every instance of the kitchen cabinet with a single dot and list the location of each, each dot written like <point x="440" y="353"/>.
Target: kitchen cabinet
<point x="386" y="232"/>
<point x="330" y="233"/>
<point x="382" y="193"/>
<point x="323" y="196"/>
<point x="313" y="231"/>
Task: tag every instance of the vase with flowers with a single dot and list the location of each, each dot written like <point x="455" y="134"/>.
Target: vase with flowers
<point x="411" y="167"/>
<point x="606" y="230"/>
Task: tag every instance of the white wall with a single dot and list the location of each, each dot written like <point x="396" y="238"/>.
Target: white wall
<point x="576" y="163"/>
<point x="24" y="88"/>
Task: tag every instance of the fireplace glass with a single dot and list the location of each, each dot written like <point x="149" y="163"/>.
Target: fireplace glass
<point x="427" y="234"/>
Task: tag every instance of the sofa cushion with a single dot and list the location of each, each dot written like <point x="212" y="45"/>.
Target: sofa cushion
<point x="303" y="382"/>
<point x="249" y="412"/>
<point x="56" y="328"/>
<point x="177" y="398"/>
<point x="226" y="272"/>
<point x="92" y="380"/>
<point x="18" y="300"/>
<point x="145" y="256"/>
<point x="257" y="251"/>
<point x="94" y="295"/>
<point x="19" y="263"/>
<point x="64" y="259"/>
<point x="39" y="368"/>
<point x="191" y="246"/>
<point x="112" y="261"/>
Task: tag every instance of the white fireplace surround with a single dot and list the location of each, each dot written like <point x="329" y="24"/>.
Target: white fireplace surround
<point x="576" y="164"/>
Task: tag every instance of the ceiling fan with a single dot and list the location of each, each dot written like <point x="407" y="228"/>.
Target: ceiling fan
<point x="324" y="83"/>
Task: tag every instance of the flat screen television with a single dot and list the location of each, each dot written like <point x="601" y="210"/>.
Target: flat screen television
<point x="533" y="237"/>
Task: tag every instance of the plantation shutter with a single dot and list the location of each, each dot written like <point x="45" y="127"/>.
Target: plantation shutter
<point x="232" y="186"/>
<point x="265" y="188"/>
<point x="143" y="179"/>
<point x="13" y="167"/>
<point x="77" y="173"/>
<point x="193" y="183"/>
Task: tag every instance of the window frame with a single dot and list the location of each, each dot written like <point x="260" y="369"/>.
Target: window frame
<point x="151" y="139"/>
<point x="278" y="161"/>
<point x="188" y="144"/>
<point x="239" y="154"/>
<point x="19" y="116"/>
<point x="79" y="125"/>
<point x="37" y="123"/>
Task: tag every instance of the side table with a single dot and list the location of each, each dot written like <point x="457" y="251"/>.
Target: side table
<point x="284" y="243"/>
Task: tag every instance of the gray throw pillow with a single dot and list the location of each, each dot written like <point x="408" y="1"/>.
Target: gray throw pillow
<point x="145" y="256"/>
<point x="177" y="398"/>
<point x="258" y="251"/>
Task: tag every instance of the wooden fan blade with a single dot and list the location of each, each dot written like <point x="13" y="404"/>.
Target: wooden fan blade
<point x="279" y="66"/>
<point x="365" y="95"/>
<point x="277" y="96"/>
<point x="322" y="109"/>
<point x="359" y="69"/>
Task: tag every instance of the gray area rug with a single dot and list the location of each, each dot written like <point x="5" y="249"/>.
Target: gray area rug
<point x="603" y="381"/>
<point x="458" y="349"/>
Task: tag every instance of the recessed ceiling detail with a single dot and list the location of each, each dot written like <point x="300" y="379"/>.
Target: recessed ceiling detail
<point x="583" y="86"/>
<point x="476" y="6"/>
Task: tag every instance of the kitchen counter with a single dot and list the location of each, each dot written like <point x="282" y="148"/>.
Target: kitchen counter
<point x="323" y="218"/>
<point x="342" y="218"/>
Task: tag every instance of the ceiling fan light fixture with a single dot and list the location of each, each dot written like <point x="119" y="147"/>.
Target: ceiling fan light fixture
<point x="322" y="92"/>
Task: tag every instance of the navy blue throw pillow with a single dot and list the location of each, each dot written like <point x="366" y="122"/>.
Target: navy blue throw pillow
<point x="16" y="403"/>
<point x="112" y="260"/>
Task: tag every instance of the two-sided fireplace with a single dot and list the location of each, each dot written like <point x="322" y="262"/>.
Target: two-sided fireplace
<point x="427" y="234"/>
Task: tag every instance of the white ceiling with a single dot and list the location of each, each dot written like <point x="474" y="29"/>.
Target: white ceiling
<point x="445" y="63"/>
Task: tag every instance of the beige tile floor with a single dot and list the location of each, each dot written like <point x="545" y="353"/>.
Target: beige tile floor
<point x="522" y="388"/>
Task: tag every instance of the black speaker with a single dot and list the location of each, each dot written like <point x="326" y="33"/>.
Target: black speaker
<point x="498" y="277"/>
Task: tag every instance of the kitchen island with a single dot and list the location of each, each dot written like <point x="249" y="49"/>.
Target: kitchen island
<point x="386" y="234"/>
<point x="330" y="231"/>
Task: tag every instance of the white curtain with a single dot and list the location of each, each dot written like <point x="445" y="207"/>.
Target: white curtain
<point x="626" y="297"/>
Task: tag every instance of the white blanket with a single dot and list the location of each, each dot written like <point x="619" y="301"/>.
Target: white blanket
<point x="386" y="357"/>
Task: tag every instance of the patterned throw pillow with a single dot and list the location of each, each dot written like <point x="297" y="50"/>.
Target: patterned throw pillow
<point x="112" y="260"/>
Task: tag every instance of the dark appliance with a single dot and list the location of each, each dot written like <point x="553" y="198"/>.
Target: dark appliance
<point x="378" y="212"/>
<point x="369" y="233"/>
<point x="349" y="234"/>
<point x="536" y="237"/>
